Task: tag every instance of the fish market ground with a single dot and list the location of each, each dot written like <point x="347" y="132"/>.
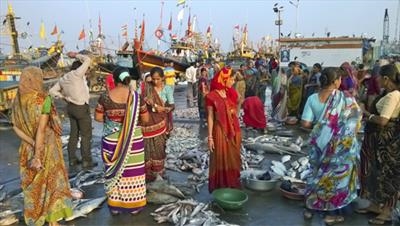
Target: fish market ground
<point x="262" y="208"/>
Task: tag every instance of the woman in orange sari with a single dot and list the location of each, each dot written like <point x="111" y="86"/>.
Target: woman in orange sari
<point x="224" y="137"/>
<point x="44" y="179"/>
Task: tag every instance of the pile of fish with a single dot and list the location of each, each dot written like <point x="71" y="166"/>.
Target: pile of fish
<point x="275" y="145"/>
<point x="298" y="169"/>
<point x="250" y="160"/>
<point x="162" y="192"/>
<point x="187" y="212"/>
<point x="8" y="217"/>
<point x="180" y="144"/>
<point x="184" y="151"/>
<point x="193" y="160"/>
<point x="187" y="113"/>
<point x="184" y="130"/>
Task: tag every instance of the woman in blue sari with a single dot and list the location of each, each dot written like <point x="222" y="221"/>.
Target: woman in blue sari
<point x="334" y="151"/>
<point x="122" y="145"/>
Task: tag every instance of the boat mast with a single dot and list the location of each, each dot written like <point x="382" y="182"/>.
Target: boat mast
<point x="13" y="31"/>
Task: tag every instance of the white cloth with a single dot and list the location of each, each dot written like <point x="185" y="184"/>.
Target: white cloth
<point x="191" y="74"/>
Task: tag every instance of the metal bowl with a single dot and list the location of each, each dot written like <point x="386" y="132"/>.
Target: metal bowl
<point x="230" y="198"/>
<point x="299" y="195"/>
<point x="260" y="185"/>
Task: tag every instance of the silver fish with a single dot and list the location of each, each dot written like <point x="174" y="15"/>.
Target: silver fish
<point x="86" y="207"/>
<point x="160" y="198"/>
<point x="285" y="158"/>
<point x="3" y="195"/>
<point x="162" y="186"/>
<point x="9" y="212"/>
<point x="197" y="210"/>
<point x="9" y="220"/>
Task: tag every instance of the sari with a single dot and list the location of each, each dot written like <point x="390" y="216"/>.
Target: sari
<point x="334" y="155"/>
<point x="295" y="88"/>
<point x="280" y="98"/>
<point x="155" y="137"/>
<point x="253" y="110"/>
<point x="201" y="103"/>
<point x="225" y="160"/>
<point x="380" y="161"/>
<point x="47" y="195"/>
<point x="123" y="154"/>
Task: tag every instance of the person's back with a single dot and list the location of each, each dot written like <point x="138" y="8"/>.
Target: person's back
<point x="72" y="87"/>
<point x="254" y="114"/>
<point x="169" y="73"/>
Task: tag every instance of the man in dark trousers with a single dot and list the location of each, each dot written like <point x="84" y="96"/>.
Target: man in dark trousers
<point x="72" y="87"/>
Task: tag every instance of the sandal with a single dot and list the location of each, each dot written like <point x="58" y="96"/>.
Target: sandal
<point x="369" y="209"/>
<point x="379" y="221"/>
<point x="331" y="220"/>
<point x="307" y="214"/>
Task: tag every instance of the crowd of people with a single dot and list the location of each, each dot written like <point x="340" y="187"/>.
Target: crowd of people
<point x="137" y="122"/>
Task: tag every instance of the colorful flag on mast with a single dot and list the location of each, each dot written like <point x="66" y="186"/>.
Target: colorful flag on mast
<point x="55" y="30"/>
<point x="124" y="30"/>
<point x="82" y="35"/>
<point x="180" y="15"/>
<point x="42" y="32"/>
<point x="170" y="23"/>
<point x="181" y="2"/>
<point x="209" y="31"/>
<point x="99" y="25"/>
<point x="142" y="32"/>
<point x="189" y="22"/>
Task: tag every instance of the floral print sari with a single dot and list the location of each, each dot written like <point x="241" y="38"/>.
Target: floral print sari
<point x="334" y="154"/>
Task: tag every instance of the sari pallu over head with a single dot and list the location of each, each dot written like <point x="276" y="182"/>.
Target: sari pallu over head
<point x="28" y="104"/>
<point x="334" y="154"/>
<point x="229" y="125"/>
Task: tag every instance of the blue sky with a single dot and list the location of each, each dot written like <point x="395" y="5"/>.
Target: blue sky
<point x="339" y="17"/>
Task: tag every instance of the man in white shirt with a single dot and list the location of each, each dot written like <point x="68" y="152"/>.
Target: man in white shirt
<point x="72" y="87"/>
<point x="191" y="79"/>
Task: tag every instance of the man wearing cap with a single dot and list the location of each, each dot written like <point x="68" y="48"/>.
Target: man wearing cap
<point x="72" y="87"/>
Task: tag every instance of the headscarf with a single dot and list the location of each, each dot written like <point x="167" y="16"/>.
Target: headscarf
<point x="28" y="103"/>
<point x="352" y="75"/>
<point x="31" y="80"/>
<point x="219" y="83"/>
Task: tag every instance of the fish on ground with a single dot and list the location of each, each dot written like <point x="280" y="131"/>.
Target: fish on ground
<point x="83" y="208"/>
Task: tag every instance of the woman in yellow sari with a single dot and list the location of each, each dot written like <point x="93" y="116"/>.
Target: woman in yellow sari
<point x="295" y="87"/>
<point x="44" y="179"/>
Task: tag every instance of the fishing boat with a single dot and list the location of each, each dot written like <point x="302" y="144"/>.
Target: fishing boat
<point x="241" y="52"/>
<point x="44" y="57"/>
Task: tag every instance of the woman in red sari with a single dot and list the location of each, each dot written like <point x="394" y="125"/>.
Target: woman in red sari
<point x="253" y="110"/>
<point x="224" y="137"/>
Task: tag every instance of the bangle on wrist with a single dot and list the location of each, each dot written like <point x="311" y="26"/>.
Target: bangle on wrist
<point x="370" y="117"/>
